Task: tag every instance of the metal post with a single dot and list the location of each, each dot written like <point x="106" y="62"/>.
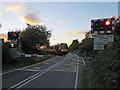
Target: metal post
<point x="19" y="46"/>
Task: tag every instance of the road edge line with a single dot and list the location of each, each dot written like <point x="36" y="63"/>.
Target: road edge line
<point x="83" y="61"/>
<point x="76" y="79"/>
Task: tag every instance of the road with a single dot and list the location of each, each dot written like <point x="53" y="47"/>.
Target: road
<point x="58" y="72"/>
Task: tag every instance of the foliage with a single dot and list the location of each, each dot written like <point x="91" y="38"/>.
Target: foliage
<point x="74" y="46"/>
<point x="102" y="67"/>
<point x="6" y="58"/>
<point x="102" y="71"/>
<point x="33" y="37"/>
<point x="24" y="62"/>
<point x="83" y="48"/>
<point x="86" y="45"/>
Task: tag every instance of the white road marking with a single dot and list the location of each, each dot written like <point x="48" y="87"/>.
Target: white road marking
<point x="83" y="61"/>
<point x="8" y="72"/>
<point x="34" y="78"/>
<point x="28" y="70"/>
<point x="24" y="82"/>
<point x="76" y="79"/>
<point x="24" y="67"/>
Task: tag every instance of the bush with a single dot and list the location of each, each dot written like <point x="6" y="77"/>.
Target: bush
<point x="6" y="58"/>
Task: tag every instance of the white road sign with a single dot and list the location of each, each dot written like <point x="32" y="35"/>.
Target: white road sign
<point x="103" y="39"/>
<point x="98" y="47"/>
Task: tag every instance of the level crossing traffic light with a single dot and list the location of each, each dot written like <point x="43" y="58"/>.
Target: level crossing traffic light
<point x="103" y="25"/>
<point x="13" y="35"/>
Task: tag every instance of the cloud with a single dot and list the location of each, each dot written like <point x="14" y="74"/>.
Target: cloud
<point x="54" y="39"/>
<point x="69" y="33"/>
<point x="18" y="8"/>
<point x="76" y="32"/>
<point x="24" y="11"/>
<point x="3" y="36"/>
<point x="79" y="32"/>
<point x="32" y="19"/>
<point x="60" y="21"/>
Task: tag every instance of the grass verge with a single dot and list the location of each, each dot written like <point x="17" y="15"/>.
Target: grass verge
<point x="21" y="62"/>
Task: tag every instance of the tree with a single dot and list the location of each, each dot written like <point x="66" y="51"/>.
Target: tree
<point x="74" y="46"/>
<point x="87" y="44"/>
<point x="33" y="37"/>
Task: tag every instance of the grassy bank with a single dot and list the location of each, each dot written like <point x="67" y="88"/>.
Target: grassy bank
<point x="8" y="62"/>
<point x="21" y="62"/>
<point x="103" y="70"/>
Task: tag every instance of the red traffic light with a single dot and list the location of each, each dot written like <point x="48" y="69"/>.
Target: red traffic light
<point x="107" y="22"/>
<point x="14" y="34"/>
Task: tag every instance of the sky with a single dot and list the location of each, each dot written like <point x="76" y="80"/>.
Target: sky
<point x="67" y="20"/>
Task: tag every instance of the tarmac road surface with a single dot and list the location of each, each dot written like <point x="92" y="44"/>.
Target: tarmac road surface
<point x="58" y="72"/>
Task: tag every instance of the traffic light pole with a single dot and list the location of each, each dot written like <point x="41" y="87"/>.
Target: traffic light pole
<point x="19" y="49"/>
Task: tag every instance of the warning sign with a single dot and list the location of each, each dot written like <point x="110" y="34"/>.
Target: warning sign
<point x="98" y="47"/>
<point x="103" y="39"/>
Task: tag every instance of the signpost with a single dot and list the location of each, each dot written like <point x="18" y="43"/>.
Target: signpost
<point x="102" y="26"/>
<point x="14" y="42"/>
<point x="100" y="40"/>
<point x="98" y="47"/>
<point x="103" y="39"/>
<point x="14" y="37"/>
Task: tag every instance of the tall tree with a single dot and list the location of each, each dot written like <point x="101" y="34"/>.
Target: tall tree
<point x="74" y="46"/>
<point x="34" y="37"/>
